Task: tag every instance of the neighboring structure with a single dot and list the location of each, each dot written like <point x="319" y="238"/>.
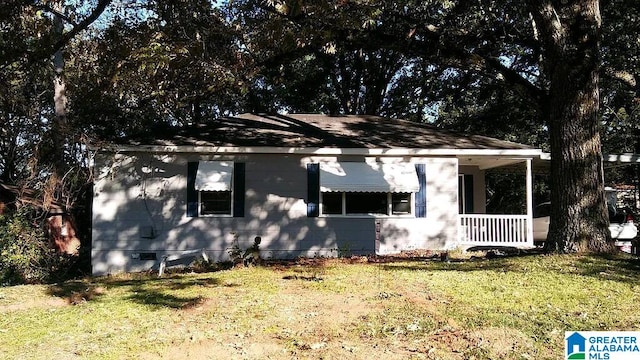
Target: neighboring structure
<point x="308" y="185"/>
<point x="627" y="193"/>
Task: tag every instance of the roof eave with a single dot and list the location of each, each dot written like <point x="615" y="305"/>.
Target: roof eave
<point x="525" y="152"/>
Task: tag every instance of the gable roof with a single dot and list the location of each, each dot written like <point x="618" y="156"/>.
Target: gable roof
<point x="317" y="131"/>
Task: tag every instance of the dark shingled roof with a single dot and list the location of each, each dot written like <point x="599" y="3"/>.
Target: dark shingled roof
<point x="317" y="131"/>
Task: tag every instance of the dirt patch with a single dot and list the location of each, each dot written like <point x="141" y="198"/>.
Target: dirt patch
<point x="296" y="326"/>
<point x="30" y="304"/>
<point x="501" y="343"/>
<point x="290" y="325"/>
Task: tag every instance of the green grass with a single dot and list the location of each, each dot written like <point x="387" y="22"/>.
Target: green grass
<point x="509" y="308"/>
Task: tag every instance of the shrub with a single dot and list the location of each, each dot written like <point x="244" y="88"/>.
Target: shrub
<point x="25" y="254"/>
<point x="250" y="256"/>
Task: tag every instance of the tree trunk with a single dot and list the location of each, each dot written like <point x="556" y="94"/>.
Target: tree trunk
<point x="54" y="152"/>
<point x="59" y="126"/>
<point x="569" y="32"/>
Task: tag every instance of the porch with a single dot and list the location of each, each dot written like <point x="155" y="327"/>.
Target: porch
<point x="476" y="228"/>
<point x="495" y="230"/>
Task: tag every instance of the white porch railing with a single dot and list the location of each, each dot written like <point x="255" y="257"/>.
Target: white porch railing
<point x="494" y="230"/>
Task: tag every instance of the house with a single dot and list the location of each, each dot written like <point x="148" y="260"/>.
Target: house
<point x="307" y="185"/>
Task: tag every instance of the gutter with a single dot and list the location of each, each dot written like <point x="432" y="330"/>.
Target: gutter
<point x="164" y="149"/>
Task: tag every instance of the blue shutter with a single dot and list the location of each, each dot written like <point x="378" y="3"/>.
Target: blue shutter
<point x="238" y="189"/>
<point x="192" y="193"/>
<point x="468" y="194"/>
<point x="421" y="195"/>
<point x="313" y="190"/>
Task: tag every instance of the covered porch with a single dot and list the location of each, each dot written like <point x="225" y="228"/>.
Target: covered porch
<point x="476" y="228"/>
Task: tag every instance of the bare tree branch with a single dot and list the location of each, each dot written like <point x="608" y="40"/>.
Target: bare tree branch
<point x="45" y="49"/>
<point x="56" y="13"/>
<point x="66" y="37"/>
<point x="622" y="76"/>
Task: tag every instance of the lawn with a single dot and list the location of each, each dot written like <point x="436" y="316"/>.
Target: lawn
<point x="501" y="308"/>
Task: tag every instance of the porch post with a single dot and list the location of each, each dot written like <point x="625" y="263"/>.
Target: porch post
<point x="529" y="202"/>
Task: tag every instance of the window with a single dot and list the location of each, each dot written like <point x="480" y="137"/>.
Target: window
<point x="215" y="202"/>
<point x="332" y="203"/>
<point x="401" y="203"/>
<point x="215" y="188"/>
<point x="366" y="188"/>
<point x="366" y="203"/>
<point x="360" y="203"/>
<point x="214" y="182"/>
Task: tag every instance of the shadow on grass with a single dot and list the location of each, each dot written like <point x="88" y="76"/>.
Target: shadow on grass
<point x="172" y="282"/>
<point x="616" y="267"/>
<point x="144" y="290"/>
<point x="76" y="291"/>
<point x="449" y="265"/>
<point x="157" y="292"/>
<point x="158" y="299"/>
<point x="313" y="277"/>
<point x="611" y="267"/>
<point x="492" y="260"/>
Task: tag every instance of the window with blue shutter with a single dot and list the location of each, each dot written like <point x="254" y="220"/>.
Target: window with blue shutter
<point x="215" y="188"/>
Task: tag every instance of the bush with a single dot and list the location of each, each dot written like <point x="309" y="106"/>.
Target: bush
<point x="25" y="254"/>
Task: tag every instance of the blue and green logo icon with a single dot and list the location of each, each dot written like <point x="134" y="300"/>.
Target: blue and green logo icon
<point x="576" y="346"/>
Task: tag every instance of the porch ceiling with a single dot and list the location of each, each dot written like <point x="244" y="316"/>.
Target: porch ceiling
<point x="489" y="162"/>
<point x="542" y="164"/>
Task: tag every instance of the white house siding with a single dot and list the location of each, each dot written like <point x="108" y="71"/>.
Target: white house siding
<point x="139" y="208"/>
<point x="440" y="227"/>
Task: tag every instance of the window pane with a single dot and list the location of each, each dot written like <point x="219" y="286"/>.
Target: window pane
<point x="332" y="203"/>
<point x="400" y="203"/>
<point x="366" y="203"/>
<point x="215" y="202"/>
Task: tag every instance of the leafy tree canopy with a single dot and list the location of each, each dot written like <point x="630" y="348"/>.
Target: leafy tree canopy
<point x="511" y="69"/>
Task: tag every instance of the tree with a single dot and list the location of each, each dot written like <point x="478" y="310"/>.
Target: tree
<point x="490" y="66"/>
<point x="39" y="32"/>
<point x="570" y="40"/>
<point x="546" y="53"/>
<point x="25" y="89"/>
<point x="621" y="84"/>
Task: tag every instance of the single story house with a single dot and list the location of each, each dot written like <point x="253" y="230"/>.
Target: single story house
<point x="307" y="185"/>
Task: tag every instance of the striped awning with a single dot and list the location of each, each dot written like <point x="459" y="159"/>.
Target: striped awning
<point x="214" y="176"/>
<point x="368" y="177"/>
